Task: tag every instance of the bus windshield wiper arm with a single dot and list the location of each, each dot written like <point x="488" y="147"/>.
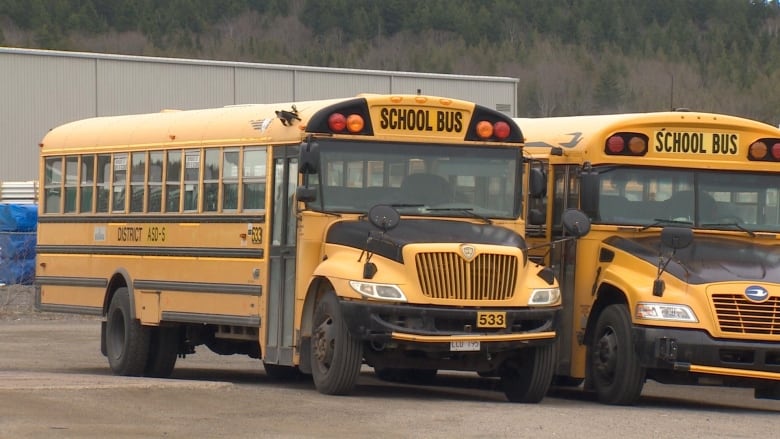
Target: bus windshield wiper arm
<point x="467" y="210"/>
<point x="660" y="221"/>
<point x="733" y="224"/>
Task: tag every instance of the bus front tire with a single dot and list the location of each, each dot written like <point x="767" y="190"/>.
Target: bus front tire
<point x="127" y="341"/>
<point x="528" y="379"/>
<point x="336" y="355"/>
<point x="615" y="371"/>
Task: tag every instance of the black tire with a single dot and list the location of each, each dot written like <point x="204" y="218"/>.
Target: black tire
<point x="163" y="351"/>
<point x="336" y="356"/>
<point x="614" y="368"/>
<point x="411" y="376"/>
<point x="283" y="373"/>
<point x="127" y="341"/>
<point x="528" y="378"/>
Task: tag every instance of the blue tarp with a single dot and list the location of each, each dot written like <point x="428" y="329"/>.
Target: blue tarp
<point x="18" y="224"/>
<point x="18" y="217"/>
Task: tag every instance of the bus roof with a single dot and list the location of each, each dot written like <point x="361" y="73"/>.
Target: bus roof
<point x="569" y="131"/>
<point x="225" y="125"/>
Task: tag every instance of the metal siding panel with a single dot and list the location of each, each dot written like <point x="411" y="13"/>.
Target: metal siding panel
<point x="483" y="92"/>
<point x="43" y="89"/>
<point x="327" y="85"/>
<point x="259" y="86"/>
<point x="39" y="93"/>
<point x="131" y="87"/>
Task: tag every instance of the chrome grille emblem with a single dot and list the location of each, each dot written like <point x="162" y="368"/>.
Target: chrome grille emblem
<point x="468" y="252"/>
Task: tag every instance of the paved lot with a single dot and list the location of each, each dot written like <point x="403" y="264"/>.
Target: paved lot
<point x="54" y="383"/>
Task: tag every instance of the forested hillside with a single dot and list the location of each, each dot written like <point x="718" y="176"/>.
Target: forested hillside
<point x="571" y="56"/>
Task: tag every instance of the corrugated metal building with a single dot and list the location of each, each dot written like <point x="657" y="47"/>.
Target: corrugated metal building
<point x="41" y="89"/>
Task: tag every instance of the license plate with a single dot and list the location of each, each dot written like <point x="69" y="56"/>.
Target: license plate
<point x="461" y="346"/>
<point x="491" y="319"/>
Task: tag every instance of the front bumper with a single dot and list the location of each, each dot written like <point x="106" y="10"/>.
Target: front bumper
<point x="432" y="325"/>
<point x="695" y="351"/>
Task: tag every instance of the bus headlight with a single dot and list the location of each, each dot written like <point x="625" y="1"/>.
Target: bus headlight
<point x="378" y="291"/>
<point x="665" y="311"/>
<point x="544" y="296"/>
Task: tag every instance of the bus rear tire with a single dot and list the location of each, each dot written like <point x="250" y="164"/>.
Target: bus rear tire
<point x="163" y="351"/>
<point x="127" y="341"/>
<point x="530" y="378"/>
<point x="336" y="355"/>
<point x="615" y="371"/>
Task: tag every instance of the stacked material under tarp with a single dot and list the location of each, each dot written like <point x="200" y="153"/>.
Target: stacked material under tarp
<point x="18" y="225"/>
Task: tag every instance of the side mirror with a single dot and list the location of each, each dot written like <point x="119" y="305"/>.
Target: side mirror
<point x="589" y="193"/>
<point x="576" y="223"/>
<point x="537" y="183"/>
<point x="309" y="158"/>
<point x="306" y="194"/>
<point x="676" y="237"/>
<point x="384" y="217"/>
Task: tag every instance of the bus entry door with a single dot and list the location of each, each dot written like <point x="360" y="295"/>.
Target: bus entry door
<point x="281" y="285"/>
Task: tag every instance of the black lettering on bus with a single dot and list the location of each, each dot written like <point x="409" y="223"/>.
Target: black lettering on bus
<point x="724" y="143"/>
<point x="155" y="234"/>
<point x="129" y="234"/>
<point x="449" y="121"/>
<point x="384" y="118"/>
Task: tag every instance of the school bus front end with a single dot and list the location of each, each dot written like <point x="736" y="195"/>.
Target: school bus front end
<point x="678" y="280"/>
<point x="421" y="263"/>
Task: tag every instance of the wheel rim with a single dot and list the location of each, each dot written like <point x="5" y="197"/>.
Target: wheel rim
<point x="324" y="344"/>
<point x="605" y="356"/>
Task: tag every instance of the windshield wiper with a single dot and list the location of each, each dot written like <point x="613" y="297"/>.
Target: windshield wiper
<point x="466" y="210"/>
<point x="733" y="224"/>
<point x="661" y="221"/>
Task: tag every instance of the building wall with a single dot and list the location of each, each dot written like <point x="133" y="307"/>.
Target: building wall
<point x="40" y="90"/>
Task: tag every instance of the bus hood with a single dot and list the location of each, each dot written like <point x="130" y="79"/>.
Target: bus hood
<point x="390" y="244"/>
<point x="709" y="259"/>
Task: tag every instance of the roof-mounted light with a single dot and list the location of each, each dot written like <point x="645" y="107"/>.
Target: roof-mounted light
<point x="337" y="122"/>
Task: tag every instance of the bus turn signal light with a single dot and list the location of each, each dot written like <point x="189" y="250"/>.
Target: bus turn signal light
<point x="355" y="123"/>
<point x="484" y="130"/>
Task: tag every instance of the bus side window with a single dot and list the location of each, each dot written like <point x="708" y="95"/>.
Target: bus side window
<point x="230" y="180"/>
<point x="191" y="179"/>
<point x="52" y="182"/>
<point x="211" y="180"/>
<point x="173" y="182"/>
<point x="119" y="187"/>
<point x="137" y="178"/>
<point x="154" y="193"/>
<point x="71" y="183"/>
<point x="86" y="187"/>
<point x="102" y="181"/>
<point x="254" y="179"/>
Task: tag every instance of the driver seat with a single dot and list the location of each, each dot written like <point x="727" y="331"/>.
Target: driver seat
<point x="426" y="189"/>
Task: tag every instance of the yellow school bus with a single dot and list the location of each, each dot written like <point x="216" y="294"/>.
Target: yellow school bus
<point x="678" y="280"/>
<point x="314" y="236"/>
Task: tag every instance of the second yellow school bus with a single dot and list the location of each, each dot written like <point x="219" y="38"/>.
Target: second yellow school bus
<point x="679" y="279"/>
<point x="314" y="236"/>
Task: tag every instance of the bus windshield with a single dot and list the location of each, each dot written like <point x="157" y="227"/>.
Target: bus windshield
<point x="707" y="199"/>
<point x="419" y="179"/>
